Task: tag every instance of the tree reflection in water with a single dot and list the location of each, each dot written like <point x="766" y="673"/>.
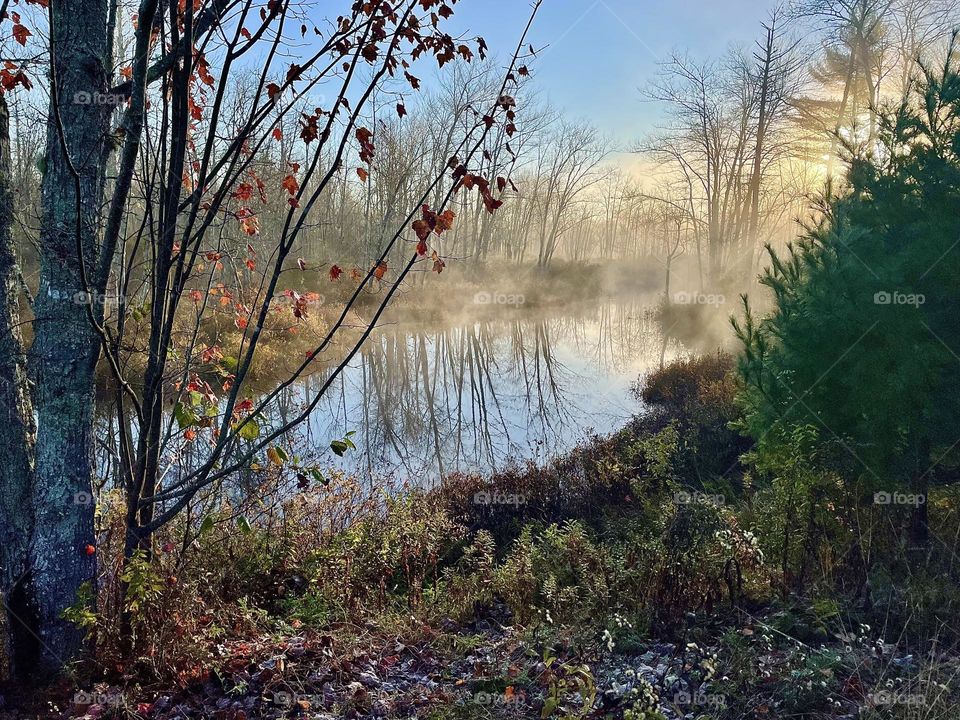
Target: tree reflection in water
<point x="474" y="396"/>
<point x="470" y="396"/>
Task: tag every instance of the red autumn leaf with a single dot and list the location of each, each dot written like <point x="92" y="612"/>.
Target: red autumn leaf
<point x="273" y="90"/>
<point x="127" y="72"/>
<point x="422" y="248"/>
<point x="422" y="229"/>
<point x="380" y="270"/>
<point x="290" y="184"/>
<point x="335" y="272"/>
<point x="196" y="112"/>
<point x="21" y="33"/>
<point x="251" y="264"/>
<point x="243" y="192"/>
<point x="362" y="174"/>
<point x="401" y="110"/>
<point x="365" y="138"/>
<point x="9" y="80"/>
<point x="203" y="71"/>
<point x="250" y="225"/>
<point x="190" y="435"/>
<point x="277" y="134"/>
<point x="89" y="549"/>
<point x="445" y="220"/>
<point x="310" y="130"/>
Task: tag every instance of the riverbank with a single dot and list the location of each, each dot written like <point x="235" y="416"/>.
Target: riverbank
<point x="634" y="577"/>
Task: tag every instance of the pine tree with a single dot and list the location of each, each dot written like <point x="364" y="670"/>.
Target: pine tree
<point x="862" y="346"/>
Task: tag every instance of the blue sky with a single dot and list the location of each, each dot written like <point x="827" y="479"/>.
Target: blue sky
<point x="601" y="52"/>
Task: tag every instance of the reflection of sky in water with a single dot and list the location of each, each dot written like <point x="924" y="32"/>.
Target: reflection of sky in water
<point x="477" y="396"/>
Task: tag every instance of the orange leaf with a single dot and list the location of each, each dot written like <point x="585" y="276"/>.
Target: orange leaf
<point x="243" y="192"/>
<point x="290" y="184"/>
<point x="21" y="33"/>
<point x="445" y="220"/>
<point x="422" y="229"/>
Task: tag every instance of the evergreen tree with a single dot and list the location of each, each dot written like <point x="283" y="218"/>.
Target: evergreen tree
<point x="862" y="347"/>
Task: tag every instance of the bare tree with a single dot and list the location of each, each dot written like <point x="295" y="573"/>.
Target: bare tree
<point x="192" y="120"/>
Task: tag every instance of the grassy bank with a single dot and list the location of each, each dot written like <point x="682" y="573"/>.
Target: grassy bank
<point x="641" y="576"/>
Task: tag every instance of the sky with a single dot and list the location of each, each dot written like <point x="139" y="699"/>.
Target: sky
<point x="600" y="53"/>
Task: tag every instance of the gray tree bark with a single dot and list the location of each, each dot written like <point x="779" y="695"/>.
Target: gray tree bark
<point x="18" y="435"/>
<point x="66" y="345"/>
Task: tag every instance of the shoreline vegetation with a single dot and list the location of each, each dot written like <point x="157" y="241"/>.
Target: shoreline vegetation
<point x="270" y="270"/>
<point x="461" y="295"/>
<point x="643" y="575"/>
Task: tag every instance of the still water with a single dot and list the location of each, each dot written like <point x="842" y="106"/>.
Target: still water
<point x="479" y="395"/>
<point x="425" y="399"/>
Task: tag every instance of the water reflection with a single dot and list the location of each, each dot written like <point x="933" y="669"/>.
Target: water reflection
<point x="475" y="396"/>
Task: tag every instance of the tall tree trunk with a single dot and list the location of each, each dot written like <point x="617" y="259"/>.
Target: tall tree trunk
<point x="66" y="345"/>
<point x="17" y="437"/>
<point x="756" y="175"/>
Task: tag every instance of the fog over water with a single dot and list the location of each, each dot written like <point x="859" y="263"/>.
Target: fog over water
<point x="479" y="395"/>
